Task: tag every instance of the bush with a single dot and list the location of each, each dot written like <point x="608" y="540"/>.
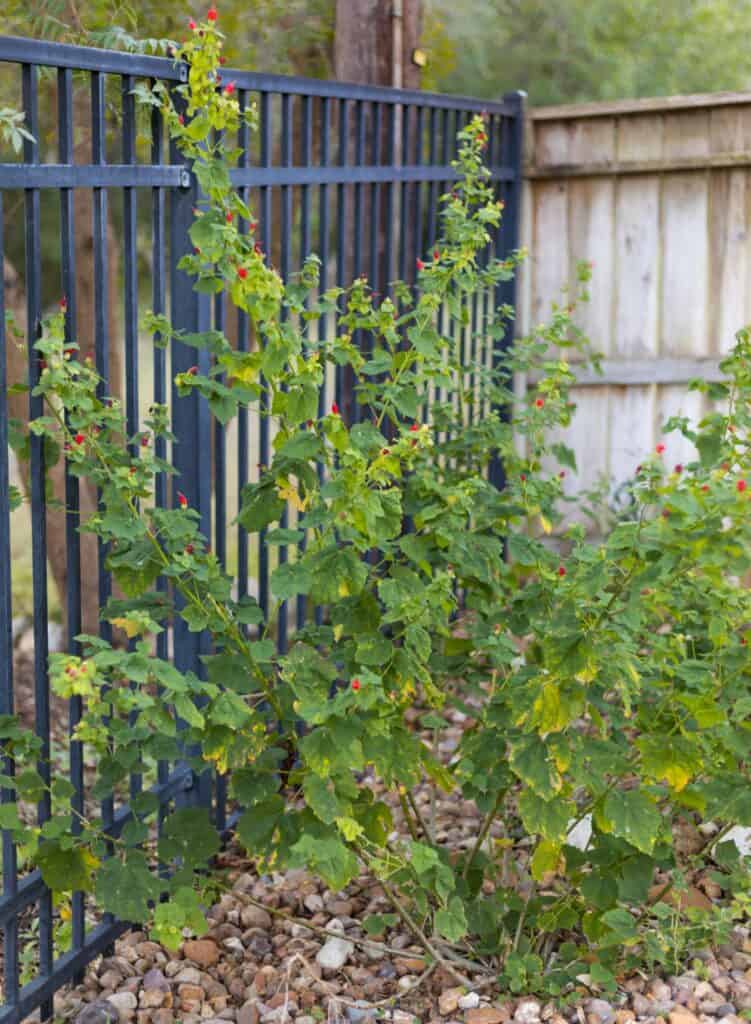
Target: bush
<point x="607" y="689"/>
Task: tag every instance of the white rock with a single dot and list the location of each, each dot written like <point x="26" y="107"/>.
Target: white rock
<point x="742" y="838"/>
<point x="527" y="1012"/>
<point x="335" y="951"/>
<point x="470" y="1001"/>
<point x="580" y="833"/>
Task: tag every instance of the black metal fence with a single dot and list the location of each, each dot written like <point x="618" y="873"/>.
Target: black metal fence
<point x="353" y="173"/>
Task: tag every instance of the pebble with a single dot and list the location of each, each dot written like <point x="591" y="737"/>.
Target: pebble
<point x="335" y="952"/>
<point x="203" y="952"/>
<point x="255" y="917"/>
<point x="486" y="1015"/>
<point x="470" y="1001"/>
<point x="527" y="1012"/>
<point x="125" y="1003"/>
<point x="448" y="1001"/>
<point x="600" y="1010"/>
<point x="100" y="1012"/>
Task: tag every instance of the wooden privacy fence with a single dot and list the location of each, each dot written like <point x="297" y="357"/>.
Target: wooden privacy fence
<point x="657" y="194"/>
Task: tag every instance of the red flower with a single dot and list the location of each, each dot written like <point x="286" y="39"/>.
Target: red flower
<point x="64" y="303"/>
<point x="229" y="218"/>
<point x="639" y="468"/>
<point x="356" y="685"/>
<point x="334" y="409"/>
<point x="740" y="486"/>
<point x="436" y="254"/>
<point x="561" y="570"/>
<point x="660" y="449"/>
<point x="420" y="265"/>
<point x="222" y="60"/>
<point x="193" y="370"/>
<point x="182" y="500"/>
<point x="539" y="402"/>
<point x="562" y="474"/>
<point x="242" y="273"/>
<point x="229" y="89"/>
<point x="678" y="468"/>
<point x="414" y="427"/>
<point x="189" y="549"/>
<point x="212" y="14"/>
<point x="132" y="470"/>
<point x="705" y="487"/>
<point x="79" y="438"/>
<point x="144" y="441"/>
<point x="523" y="477"/>
<point x="192" y="25"/>
<point x="181" y="119"/>
<point x="384" y="451"/>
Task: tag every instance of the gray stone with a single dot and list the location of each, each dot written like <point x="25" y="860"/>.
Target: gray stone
<point x="725" y="1010"/>
<point x="125" y="1003"/>
<point x="255" y="917"/>
<point x="601" y="1009"/>
<point x="100" y="1012"/>
<point x="335" y="952"/>
<point x="469" y="1002"/>
<point x="360" y="1013"/>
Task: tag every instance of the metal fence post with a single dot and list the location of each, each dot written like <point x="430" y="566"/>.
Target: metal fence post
<point x="191" y="421"/>
<point x="507" y="240"/>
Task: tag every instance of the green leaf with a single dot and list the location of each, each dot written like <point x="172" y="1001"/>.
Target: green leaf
<point x="547" y="818"/>
<point x="632" y="815"/>
<point x="64" y="869"/>
<point x="256" y="827"/>
<point x="327" y="856"/>
<point x="126" y="887"/>
<point x="451" y="921"/>
<point x="532" y="763"/>
<point x="189" y="836"/>
<point x="290" y="579"/>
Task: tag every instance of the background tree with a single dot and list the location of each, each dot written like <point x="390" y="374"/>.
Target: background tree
<point x="574" y="50"/>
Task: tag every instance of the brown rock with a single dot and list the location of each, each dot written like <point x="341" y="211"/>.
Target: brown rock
<point x="487" y="1015"/>
<point x="682" y="1016"/>
<point x="204" y="952"/>
<point x="410" y="964"/>
<point x="191" y="997"/>
<point x="692" y="897"/>
<point x="248" y="1014"/>
<point x="448" y="1001"/>
<point x="624" y="1016"/>
<point x="163" y="1017"/>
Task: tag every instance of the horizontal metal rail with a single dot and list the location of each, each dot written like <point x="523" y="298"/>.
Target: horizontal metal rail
<point x="31" y="887"/>
<point x="89" y="58"/>
<point x="66" y="968"/>
<point x="262" y="177"/>
<point x="92" y="176"/>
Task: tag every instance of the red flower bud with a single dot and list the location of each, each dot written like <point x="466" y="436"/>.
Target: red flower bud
<point x="222" y="60"/>
<point x="334" y="409"/>
<point x="436" y="254"/>
<point x="64" y="303"/>
<point x="660" y="449"/>
<point x="740" y="486"/>
<point x="356" y="685"/>
<point x="539" y="402"/>
<point x="384" y="451"/>
<point x="420" y="265"/>
<point x="242" y="273"/>
<point x="192" y="25"/>
<point x="257" y="249"/>
<point x="229" y="217"/>
<point x="132" y="470"/>
<point x="145" y="441"/>
<point x="229" y="89"/>
<point x="212" y="14"/>
<point x="79" y="438"/>
<point x="181" y="119"/>
<point x="705" y="487"/>
<point x="678" y="468"/>
<point x="414" y="427"/>
<point x="523" y="477"/>
<point x="561" y="570"/>
<point x="193" y="370"/>
<point x="182" y="500"/>
<point x="562" y="474"/>
<point x="189" y="549"/>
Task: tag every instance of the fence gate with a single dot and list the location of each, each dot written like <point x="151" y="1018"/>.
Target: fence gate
<point x="350" y="172"/>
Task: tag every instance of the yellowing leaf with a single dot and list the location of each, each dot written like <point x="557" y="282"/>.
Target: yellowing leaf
<point x="349" y="828"/>
<point x="545" y="523"/>
<point x="546" y="858"/>
<point x="131" y="627"/>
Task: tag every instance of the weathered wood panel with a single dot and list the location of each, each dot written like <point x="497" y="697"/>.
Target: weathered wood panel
<point x="656" y="194"/>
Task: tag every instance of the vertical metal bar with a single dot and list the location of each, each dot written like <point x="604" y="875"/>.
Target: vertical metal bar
<point x="130" y="300"/>
<point x="220" y="530"/>
<point x="101" y="335"/>
<point x="191" y="423"/>
<point x="341" y="227"/>
<point x="159" y="388"/>
<point x="33" y="247"/>
<point x="307" y="158"/>
<point x="284" y="267"/>
<point x="264" y="437"/>
<point x="72" y="497"/>
<point x="243" y="334"/>
<point x="375" y="196"/>
<point x="404" y="275"/>
<point x="323" y="246"/>
<point x="10" y="863"/>
<point x="388" y="256"/>
<point x="506" y="242"/>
